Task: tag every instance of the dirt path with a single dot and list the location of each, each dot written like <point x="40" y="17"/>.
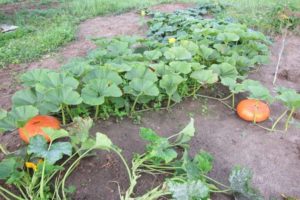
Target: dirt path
<point x="274" y="158"/>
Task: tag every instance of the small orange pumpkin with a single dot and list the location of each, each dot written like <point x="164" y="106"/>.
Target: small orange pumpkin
<point x="253" y="110"/>
<point x="35" y="127"/>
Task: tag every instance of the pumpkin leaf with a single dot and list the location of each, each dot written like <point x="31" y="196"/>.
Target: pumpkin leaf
<point x="181" y="67"/>
<point x="22" y="114"/>
<point x="141" y="72"/>
<point x="153" y="55"/>
<point x="35" y="98"/>
<point x="170" y="83"/>
<point x="228" y="37"/>
<point x="225" y="70"/>
<point x="188" y="190"/>
<point x="205" y="76"/>
<point x="32" y="77"/>
<point x="192" y="47"/>
<point x="240" y="183"/>
<point x="96" y="91"/>
<point x="61" y="80"/>
<point x="205" y="51"/>
<point x="7" y="167"/>
<point x="76" y="67"/>
<point x="177" y="53"/>
<point x="143" y="86"/>
<point x="289" y="97"/>
<point x="149" y="135"/>
<point x="65" y="95"/>
<point x="103" y="142"/>
<point x="102" y="73"/>
<point x="39" y="148"/>
<point x="186" y="134"/>
<point x="55" y="134"/>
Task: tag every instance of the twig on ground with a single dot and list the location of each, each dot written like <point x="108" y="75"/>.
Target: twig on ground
<point x="279" y="56"/>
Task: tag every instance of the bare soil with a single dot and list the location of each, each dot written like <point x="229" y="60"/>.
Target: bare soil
<point x="273" y="157"/>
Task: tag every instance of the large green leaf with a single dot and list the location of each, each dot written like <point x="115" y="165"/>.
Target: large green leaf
<point x="205" y="76"/>
<point x="143" y="86"/>
<point x="181" y="67"/>
<point x="205" y="51"/>
<point x="35" y="76"/>
<point x="149" y="135"/>
<point x="55" y="134"/>
<point x="289" y="97"/>
<point x="76" y="67"/>
<point x="22" y="114"/>
<point x="65" y="95"/>
<point x="225" y="70"/>
<point x="141" y="72"/>
<point x="170" y="83"/>
<point x="62" y="80"/>
<point x="191" y="46"/>
<point x="35" y="98"/>
<point x="101" y="73"/>
<point x="178" y="53"/>
<point x="191" y="190"/>
<point x="7" y="167"/>
<point x="228" y="37"/>
<point x="153" y="55"/>
<point x="257" y="90"/>
<point x="39" y="148"/>
<point x="97" y="90"/>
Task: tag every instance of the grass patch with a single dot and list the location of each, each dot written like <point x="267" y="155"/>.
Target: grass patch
<point x="42" y="31"/>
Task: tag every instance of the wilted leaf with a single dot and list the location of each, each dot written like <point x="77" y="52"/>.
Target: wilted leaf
<point x="240" y="183"/>
<point x="189" y="190"/>
<point x="103" y="142"/>
<point x="187" y="133"/>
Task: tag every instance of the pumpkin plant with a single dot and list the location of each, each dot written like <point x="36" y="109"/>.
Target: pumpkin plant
<point x="291" y="99"/>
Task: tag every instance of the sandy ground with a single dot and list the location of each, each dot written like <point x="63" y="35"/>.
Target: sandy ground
<point x="273" y="157"/>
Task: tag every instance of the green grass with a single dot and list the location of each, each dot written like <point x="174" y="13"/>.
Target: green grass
<point x="43" y="31"/>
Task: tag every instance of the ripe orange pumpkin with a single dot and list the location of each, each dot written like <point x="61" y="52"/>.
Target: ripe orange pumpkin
<point x="35" y="127"/>
<point x="253" y="110"/>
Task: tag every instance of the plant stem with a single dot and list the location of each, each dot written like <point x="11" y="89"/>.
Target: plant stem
<point x="217" y="182"/>
<point x="278" y="119"/>
<point x="169" y="101"/>
<point x="289" y="118"/>
<point x="11" y="194"/>
<point x="134" y="103"/>
<point x="69" y="112"/>
<point x="4" y="196"/>
<point x="22" y="192"/>
<point x="42" y="181"/>
<point x="63" y="114"/>
<point x="233" y="100"/>
<point x="4" y="150"/>
<point x="96" y="112"/>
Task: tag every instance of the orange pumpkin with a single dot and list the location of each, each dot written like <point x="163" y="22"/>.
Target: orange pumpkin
<point x="253" y="110"/>
<point x="35" y="127"/>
